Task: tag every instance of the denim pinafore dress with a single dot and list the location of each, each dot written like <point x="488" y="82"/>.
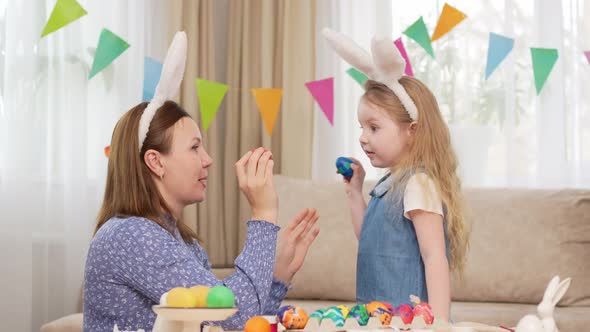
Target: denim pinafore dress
<point x="389" y="264"/>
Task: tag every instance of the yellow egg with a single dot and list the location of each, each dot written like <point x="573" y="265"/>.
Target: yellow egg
<point x="200" y="292"/>
<point x="181" y="297"/>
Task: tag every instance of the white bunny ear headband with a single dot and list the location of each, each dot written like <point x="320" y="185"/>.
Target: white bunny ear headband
<point x="170" y="79"/>
<point x="386" y="65"/>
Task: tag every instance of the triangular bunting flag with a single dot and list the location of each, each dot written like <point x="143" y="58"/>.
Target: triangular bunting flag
<point x="449" y="18"/>
<point x="110" y="46"/>
<point x="210" y="97"/>
<point x="64" y="12"/>
<point x="587" y="53"/>
<point x="402" y="50"/>
<point x="498" y="48"/>
<point x="269" y="104"/>
<point x="543" y="61"/>
<point x="418" y="32"/>
<point x="358" y="76"/>
<point x="152" y="69"/>
<point x="323" y="93"/>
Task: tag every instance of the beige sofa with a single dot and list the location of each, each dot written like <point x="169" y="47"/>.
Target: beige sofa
<point x="519" y="240"/>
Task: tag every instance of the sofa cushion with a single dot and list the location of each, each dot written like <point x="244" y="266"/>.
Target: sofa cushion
<point x="570" y="319"/>
<point x="71" y="323"/>
<point x="519" y="240"/>
<point x="329" y="271"/>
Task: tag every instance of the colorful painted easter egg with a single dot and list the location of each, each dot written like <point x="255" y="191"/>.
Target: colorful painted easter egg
<point x="390" y="307"/>
<point x="381" y="311"/>
<point x="201" y="293"/>
<point x="345" y="310"/>
<point x="220" y="297"/>
<point x="257" y="324"/>
<point x="422" y="309"/>
<point x="292" y="317"/>
<point x="343" y="167"/>
<point x="180" y="297"/>
<point x="318" y="314"/>
<point x="334" y="314"/>
<point x="405" y="312"/>
<point x="359" y="312"/>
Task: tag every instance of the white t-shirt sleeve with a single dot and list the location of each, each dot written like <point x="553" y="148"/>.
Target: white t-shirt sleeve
<point x="421" y="194"/>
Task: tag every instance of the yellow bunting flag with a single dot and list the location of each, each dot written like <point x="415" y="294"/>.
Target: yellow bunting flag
<point x="448" y="19"/>
<point x="269" y="103"/>
<point x="64" y="12"/>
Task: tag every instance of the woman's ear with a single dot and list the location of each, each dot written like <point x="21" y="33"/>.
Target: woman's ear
<point x="153" y="160"/>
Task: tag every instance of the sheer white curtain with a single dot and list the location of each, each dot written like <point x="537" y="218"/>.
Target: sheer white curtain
<point x="504" y="134"/>
<point x="54" y="124"/>
<point x="360" y="20"/>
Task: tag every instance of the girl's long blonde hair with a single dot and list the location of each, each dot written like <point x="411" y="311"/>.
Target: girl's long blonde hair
<point x="130" y="188"/>
<point x="430" y="153"/>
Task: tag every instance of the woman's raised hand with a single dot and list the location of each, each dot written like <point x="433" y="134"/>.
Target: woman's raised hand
<point x="255" y="178"/>
<point x="294" y="242"/>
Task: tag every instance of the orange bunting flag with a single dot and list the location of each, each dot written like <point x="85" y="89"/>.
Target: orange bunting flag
<point x="448" y="19"/>
<point x="269" y="104"/>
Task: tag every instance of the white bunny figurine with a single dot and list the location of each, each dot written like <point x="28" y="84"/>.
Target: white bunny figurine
<point x="545" y="321"/>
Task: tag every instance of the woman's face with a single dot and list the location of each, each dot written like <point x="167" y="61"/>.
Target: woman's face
<point x="186" y="164"/>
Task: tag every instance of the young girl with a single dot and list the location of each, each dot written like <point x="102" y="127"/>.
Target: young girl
<point x="142" y="249"/>
<point x="412" y="232"/>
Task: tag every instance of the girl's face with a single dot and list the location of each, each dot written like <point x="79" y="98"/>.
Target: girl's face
<point x="382" y="139"/>
<point x="186" y="164"/>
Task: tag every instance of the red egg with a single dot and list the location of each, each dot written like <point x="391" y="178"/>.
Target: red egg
<point x="422" y="309"/>
<point x="405" y="312"/>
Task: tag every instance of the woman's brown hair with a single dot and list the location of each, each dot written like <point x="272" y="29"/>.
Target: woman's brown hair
<point x="130" y="187"/>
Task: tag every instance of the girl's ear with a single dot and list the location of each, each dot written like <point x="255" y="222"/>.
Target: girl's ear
<point x="412" y="128"/>
<point x="411" y="132"/>
<point x="153" y="160"/>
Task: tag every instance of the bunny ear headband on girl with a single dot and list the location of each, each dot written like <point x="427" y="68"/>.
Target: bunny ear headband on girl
<point x="170" y="79"/>
<point x="385" y="66"/>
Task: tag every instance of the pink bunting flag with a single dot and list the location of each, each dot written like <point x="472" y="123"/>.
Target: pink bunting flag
<point x="402" y="50"/>
<point x="323" y="93"/>
<point x="587" y="53"/>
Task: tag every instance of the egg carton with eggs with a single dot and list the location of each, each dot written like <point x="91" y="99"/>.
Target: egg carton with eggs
<point x="418" y="324"/>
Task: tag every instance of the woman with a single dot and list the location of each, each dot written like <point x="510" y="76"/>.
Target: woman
<point x="141" y="248"/>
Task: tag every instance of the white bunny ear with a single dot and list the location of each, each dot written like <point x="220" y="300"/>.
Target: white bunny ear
<point x="169" y="84"/>
<point x="350" y="51"/>
<point x="560" y="291"/>
<point x="387" y="59"/>
<point x="551" y="289"/>
<point x="386" y="66"/>
<point x="390" y="67"/>
<point x="173" y="67"/>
